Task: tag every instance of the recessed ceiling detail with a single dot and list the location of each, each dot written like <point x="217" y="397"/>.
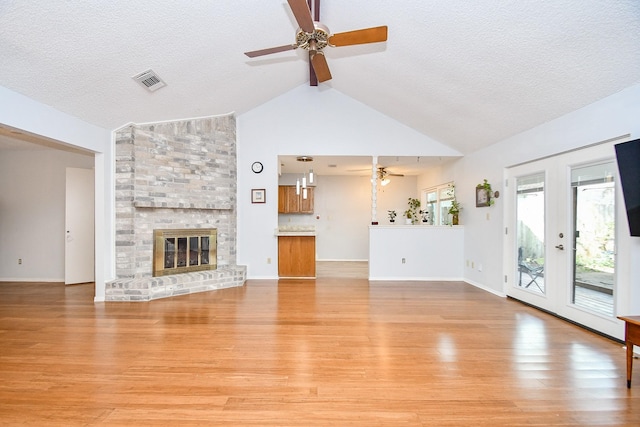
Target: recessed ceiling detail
<point x="149" y="80"/>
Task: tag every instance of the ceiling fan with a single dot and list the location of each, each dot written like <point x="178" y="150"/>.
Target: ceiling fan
<point x="315" y="36"/>
<point x="383" y="175"/>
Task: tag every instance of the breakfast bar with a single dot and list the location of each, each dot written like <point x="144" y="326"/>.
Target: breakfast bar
<point x="416" y="252"/>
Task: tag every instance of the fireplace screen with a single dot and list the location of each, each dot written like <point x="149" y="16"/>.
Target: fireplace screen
<point x="181" y="251"/>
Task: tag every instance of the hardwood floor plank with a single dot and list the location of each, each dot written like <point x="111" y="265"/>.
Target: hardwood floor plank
<point x="330" y="351"/>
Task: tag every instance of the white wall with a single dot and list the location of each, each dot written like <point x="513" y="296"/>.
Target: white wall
<point x="308" y="121"/>
<point x="342" y="212"/>
<point x="611" y="117"/>
<point x="21" y="112"/>
<point x="32" y="213"/>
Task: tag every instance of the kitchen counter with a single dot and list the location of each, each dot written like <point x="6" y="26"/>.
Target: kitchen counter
<point x="296" y="251"/>
<point x="295" y="230"/>
<point x="294" y="233"/>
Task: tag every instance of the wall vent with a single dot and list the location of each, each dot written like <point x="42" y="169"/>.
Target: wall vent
<point x="149" y="80"/>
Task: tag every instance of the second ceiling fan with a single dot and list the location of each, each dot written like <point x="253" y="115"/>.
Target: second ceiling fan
<point x="314" y="37"/>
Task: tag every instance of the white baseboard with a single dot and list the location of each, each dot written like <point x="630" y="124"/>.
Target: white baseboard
<point x="484" y="288"/>
<point x="416" y="279"/>
<point x="262" y="277"/>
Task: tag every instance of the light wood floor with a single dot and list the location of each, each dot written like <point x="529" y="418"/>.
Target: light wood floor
<point x="325" y="352"/>
<point x="343" y="269"/>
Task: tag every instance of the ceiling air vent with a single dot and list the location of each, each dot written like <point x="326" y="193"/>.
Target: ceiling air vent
<point x="150" y="80"/>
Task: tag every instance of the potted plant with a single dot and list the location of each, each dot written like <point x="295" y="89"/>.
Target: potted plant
<point x="454" y="210"/>
<point x="412" y="212"/>
<point x="392" y="216"/>
<point x="408" y="216"/>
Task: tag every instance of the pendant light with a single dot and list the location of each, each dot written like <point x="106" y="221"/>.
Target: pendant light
<point x="303" y="186"/>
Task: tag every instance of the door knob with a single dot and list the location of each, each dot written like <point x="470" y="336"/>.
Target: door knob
<point x="561" y="247"/>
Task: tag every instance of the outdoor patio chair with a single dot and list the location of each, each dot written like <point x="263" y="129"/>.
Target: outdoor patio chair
<point x="532" y="269"/>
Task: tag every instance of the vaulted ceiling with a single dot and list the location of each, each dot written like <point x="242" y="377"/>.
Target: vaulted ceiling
<point x="465" y="73"/>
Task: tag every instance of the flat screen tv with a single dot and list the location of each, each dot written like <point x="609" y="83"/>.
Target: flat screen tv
<point x="628" y="156"/>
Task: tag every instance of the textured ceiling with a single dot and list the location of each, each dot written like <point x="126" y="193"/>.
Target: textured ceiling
<point x="467" y="74"/>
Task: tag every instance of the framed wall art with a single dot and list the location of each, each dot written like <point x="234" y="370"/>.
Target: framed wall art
<point x="258" y="195"/>
<point x="485" y="195"/>
<point x="482" y="197"/>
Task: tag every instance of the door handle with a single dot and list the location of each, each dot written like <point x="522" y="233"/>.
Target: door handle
<point x="561" y="247"/>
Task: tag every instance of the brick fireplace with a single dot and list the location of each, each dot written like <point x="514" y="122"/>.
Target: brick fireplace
<point x="170" y="176"/>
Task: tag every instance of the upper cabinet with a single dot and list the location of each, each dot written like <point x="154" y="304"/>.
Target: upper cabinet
<point x="291" y="203"/>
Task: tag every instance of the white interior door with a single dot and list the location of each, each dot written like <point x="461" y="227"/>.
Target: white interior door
<point x="79" y="226"/>
<point x="560" y="241"/>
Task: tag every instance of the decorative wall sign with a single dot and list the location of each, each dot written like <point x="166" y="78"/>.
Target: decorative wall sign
<point x="258" y="195"/>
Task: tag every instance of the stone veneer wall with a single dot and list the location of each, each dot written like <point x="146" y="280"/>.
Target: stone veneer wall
<point x="171" y="175"/>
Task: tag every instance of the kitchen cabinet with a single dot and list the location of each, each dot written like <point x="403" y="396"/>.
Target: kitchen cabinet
<point x="292" y="203"/>
<point x="297" y="256"/>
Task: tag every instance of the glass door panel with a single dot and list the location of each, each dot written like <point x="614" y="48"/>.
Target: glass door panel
<point x="530" y="232"/>
<point x="594" y="238"/>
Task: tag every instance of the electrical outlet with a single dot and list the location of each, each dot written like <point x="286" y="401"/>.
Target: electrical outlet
<point x="488" y="216"/>
<point x="268" y="260"/>
<point x="473" y="264"/>
<point x="404" y="260"/>
<point x="19" y="261"/>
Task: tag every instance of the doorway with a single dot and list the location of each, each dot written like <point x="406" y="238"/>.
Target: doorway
<point x="561" y="236"/>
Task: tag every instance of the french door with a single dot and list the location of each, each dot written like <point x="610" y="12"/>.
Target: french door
<point x="560" y="236"/>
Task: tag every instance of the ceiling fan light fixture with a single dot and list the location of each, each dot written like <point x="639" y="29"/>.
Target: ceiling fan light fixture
<point x="314" y="36"/>
<point x="385" y="182"/>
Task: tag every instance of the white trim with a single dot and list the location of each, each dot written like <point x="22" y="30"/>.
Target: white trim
<point x="416" y="279"/>
<point x="615" y="138"/>
<point x="172" y="120"/>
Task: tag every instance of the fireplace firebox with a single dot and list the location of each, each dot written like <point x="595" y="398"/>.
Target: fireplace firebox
<point x="184" y="250"/>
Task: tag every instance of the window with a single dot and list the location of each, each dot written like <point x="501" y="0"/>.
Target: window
<point x="437" y="201"/>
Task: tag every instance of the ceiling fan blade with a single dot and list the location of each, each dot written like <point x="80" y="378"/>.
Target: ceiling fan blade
<point x="366" y="35"/>
<point x="270" y="50"/>
<point x="320" y="66"/>
<point x="383" y="172"/>
<point x="302" y="13"/>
